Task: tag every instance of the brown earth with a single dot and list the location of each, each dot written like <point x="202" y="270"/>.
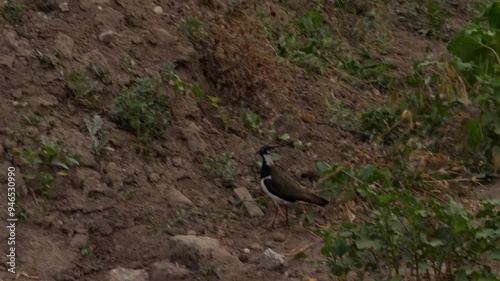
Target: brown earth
<point x="115" y="205"/>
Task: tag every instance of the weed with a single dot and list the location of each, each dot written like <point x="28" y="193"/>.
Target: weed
<point x="47" y="61"/>
<point x="83" y="87"/>
<point x="99" y="72"/>
<point x="45" y="160"/>
<point x="182" y="216"/>
<point x="192" y="29"/>
<point x="12" y="12"/>
<point x="252" y="121"/>
<point x="99" y="137"/>
<point x="143" y="108"/>
<point x="425" y="235"/>
<point x="180" y="87"/>
<point x="125" y="62"/>
<point x="32" y="118"/>
<point x="207" y="271"/>
<point x="222" y="111"/>
<point x="87" y="252"/>
<point x="129" y="194"/>
<point x="344" y="117"/>
<point x="222" y="168"/>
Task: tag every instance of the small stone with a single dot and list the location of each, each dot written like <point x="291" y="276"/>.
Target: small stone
<point x="64" y="7"/>
<point x="255" y="246"/>
<point x="165" y="270"/>
<point x="158" y="10"/>
<point x="79" y="241"/>
<point x="191" y="232"/>
<point x="126" y="274"/>
<point x="246" y="251"/>
<point x="272" y="260"/>
<point x="106" y="36"/>
<point x="154" y="177"/>
<point x="243" y="258"/>
<point x="178" y="162"/>
<point x="279" y="236"/>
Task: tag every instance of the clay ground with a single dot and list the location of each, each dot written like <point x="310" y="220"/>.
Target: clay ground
<point x="107" y="213"/>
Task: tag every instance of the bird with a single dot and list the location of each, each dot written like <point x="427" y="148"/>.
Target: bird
<point x="282" y="189"/>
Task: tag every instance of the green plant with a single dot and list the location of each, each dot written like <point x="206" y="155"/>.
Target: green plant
<point x="192" y="29"/>
<point x="87" y="252"/>
<point x="45" y="161"/>
<point x="99" y="72"/>
<point x="221" y="167"/>
<point x="32" y="118"/>
<point x="222" y="111"/>
<point x="143" y="108"/>
<point x="47" y="61"/>
<point x="207" y="271"/>
<point x="83" y="87"/>
<point x="180" y="87"/>
<point x="403" y="231"/>
<point x="12" y="12"/>
<point x="99" y="137"/>
<point x="125" y="62"/>
<point x="182" y="216"/>
<point x="251" y="120"/>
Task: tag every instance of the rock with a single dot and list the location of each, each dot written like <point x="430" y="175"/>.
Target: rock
<point x="174" y="197"/>
<point x="158" y="10"/>
<point x="161" y="36"/>
<point x="178" y="162"/>
<point x="65" y="44"/>
<point x="79" y="241"/>
<point x="196" y="251"/>
<point x="88" y="179"/>
<point x="106" y="36"/>
<point x="243" y="258"/>
<point x="249" y="203"/>
<point x="110" y="19"/>
<point x="191" y="232"/>
<point x="165" y="270"/>
<point x="272" y="260"/>
<point x="125" y="274"/>
<point x="64" y="7"/>
<point x="278" y="236"/>
<point x="154" y="177"/>
<point x="255" y="246"/>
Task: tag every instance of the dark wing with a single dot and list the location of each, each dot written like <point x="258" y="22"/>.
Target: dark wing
<point x="291" y="191"/>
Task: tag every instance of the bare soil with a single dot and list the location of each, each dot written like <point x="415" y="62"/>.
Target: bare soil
<point x="114" y="206"/>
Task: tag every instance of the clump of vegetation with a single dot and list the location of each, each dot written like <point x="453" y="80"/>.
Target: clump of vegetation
<point x="435" y="239"/>
<point x="182" y="216"/>
<point x="143" y="108"/>
<point x="99" y="137"/>
<point x="83" y="87"/>
<point x="180" y="87"/>
<point x="221" y="167"/>
<point x="252" y="121"/>
<point x="222" y="111"/>
<point x="12" y="12"/>
<point x="45" y="161"/>
<point x="192" y="29"/>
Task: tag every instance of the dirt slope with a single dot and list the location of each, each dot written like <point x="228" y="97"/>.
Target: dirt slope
<point x="106" y="212"/>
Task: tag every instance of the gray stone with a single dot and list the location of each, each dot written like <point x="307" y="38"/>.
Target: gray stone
<point x="158" y="10"/>
<point x="272" y="260"/>
<point x="196" y="251"/>
<point x="64" y="7"/>
<point x="79" y="241"/>
<point x="248" y="201"/>
<point x="165" y="270"/>
<point x="106" y="36"/>
<point x="125" y="274"/>
<point x="278" y="236"/>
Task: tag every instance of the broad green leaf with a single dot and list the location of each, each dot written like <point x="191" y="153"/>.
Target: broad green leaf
<point x="363" y="243"/>
<point x="300" y="255"/>
<point x="474" y="133"/>
<point x="493" y="14"/>
<point x="284" y="137"/>
<point x="495" y="255"/>
<point x="340" y="247"/>
<point x="461" y="275"/>
<point x="322" y="167"/>
<point x="366" y="172"/>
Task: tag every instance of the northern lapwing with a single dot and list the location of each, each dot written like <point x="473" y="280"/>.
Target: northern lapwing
<point x="280" y="187"/>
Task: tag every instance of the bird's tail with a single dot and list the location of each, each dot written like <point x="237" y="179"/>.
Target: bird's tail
<point x="315" y="199"/>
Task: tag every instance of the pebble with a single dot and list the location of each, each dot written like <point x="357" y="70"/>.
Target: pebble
<point x="279" y="237"/>
<point x="106" y="36"/>
<point x="64" y="7"/>
<point x="158" y="10"/>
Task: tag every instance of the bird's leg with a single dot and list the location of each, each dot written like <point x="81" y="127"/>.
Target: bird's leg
<point x="275" y="214"/>
<point x="286" y="214"/>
